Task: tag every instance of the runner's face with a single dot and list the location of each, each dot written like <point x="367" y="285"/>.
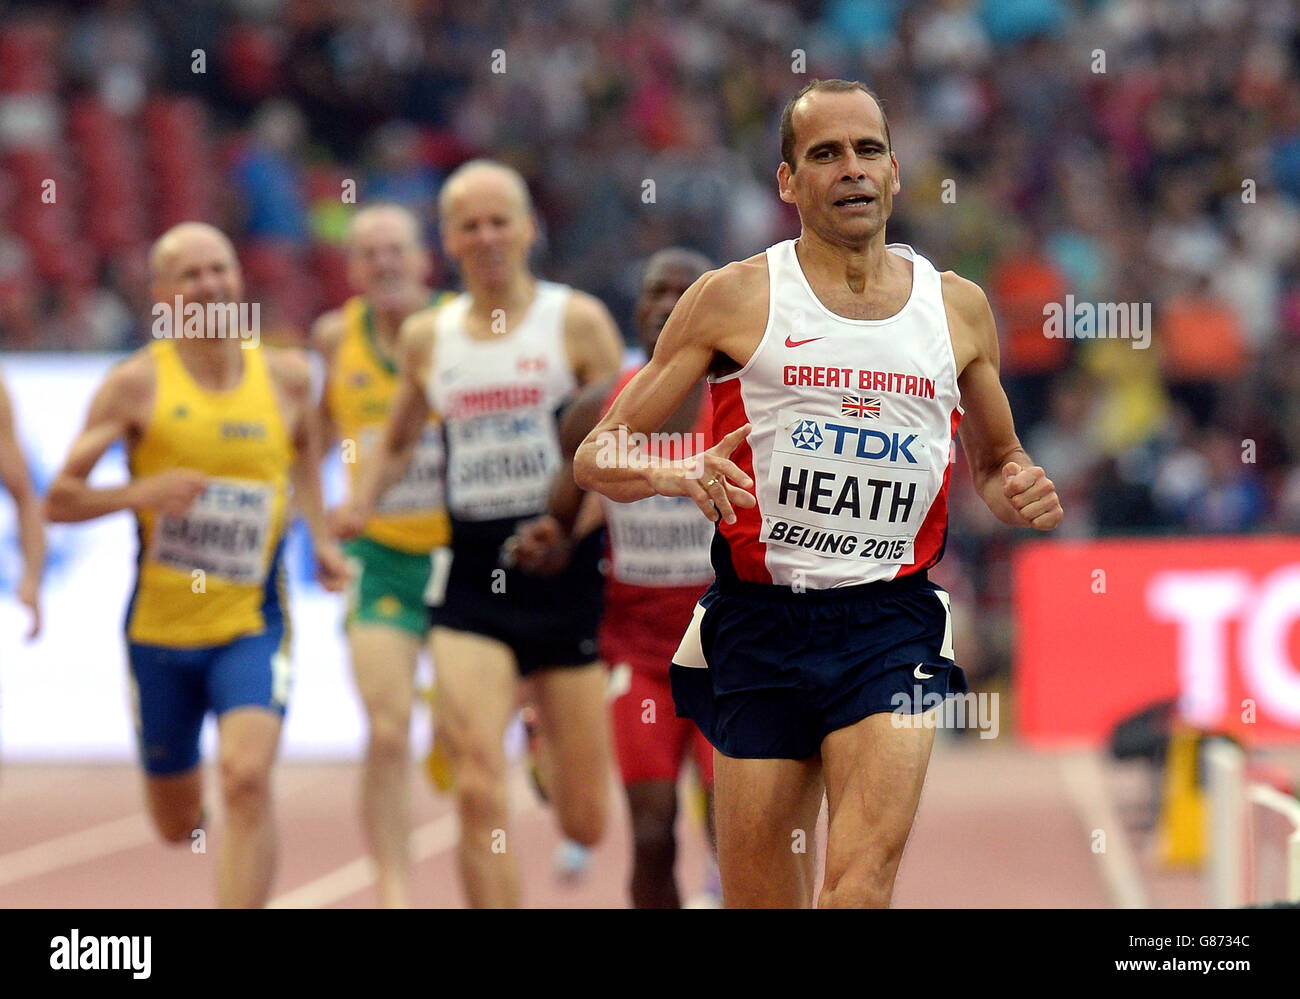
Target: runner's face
<point x="663" y="285"/>
<point x="487" y="230"/>
<point x="201" y="268"/>
<point x="386" y="262"/>
<point x="845" y="177"/>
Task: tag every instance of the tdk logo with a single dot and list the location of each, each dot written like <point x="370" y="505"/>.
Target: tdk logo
<point x="807" y="436"/>
<point x="220" y="496"/>
<point x="872" y="444"/>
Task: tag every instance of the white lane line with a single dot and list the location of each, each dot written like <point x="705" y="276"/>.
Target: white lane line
<point x="75" y="848"/>
<point x="20" y="782"/>
<point x="1085" y="781"/>
<point x="100" y="840"/>
<point x="427" y="841"/>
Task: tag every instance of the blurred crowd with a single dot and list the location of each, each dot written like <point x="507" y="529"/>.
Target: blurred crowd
<point x="1115" y="151"/>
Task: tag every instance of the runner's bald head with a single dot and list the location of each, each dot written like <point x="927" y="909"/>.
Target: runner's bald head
<point x="487" y="223"/>
<point x="197" y="262"/>
<point x="387" y="259"/>
<point x="789" y="146"/>
<point x="668" y="273"/>
<point x="677" y="258"/>
<point x="180" y="238"/>
<point x="484" y="176"/>
<point x="385" y="215"/>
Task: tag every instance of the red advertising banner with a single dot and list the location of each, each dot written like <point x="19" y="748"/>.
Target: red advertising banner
<point x="1107" y="628"/>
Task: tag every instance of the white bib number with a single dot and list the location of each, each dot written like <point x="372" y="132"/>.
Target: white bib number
<point x="421" y="489"/>
<point x="847" y="488"/>
<point x="660" y="541"/>
<point x="501" y="464"/>
<point x="224" y="533"/>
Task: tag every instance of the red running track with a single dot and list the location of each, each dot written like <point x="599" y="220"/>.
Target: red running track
<point x="997" y="827"/>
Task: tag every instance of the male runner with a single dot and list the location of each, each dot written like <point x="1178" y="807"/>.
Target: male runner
<point x="27" y="508"/>
<point x="840" y="366"/>
<point x="215" y="436"/>
<point x="387" y="619"/>
<point x="659" y="567"/>
<point x="497" y="363"/>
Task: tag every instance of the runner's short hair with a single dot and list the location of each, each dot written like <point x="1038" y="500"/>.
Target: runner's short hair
<point x="824" y="87"/>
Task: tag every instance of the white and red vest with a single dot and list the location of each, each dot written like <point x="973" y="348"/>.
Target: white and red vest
<point x="498" y="401"/>
<point x="852" y="439"/>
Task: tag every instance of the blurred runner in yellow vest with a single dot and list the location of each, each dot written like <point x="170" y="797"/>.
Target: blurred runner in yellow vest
<point x="386" y="620"/>
<point x="217" y="429"/>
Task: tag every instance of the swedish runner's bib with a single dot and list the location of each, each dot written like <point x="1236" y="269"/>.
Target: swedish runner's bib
<point x="224" y="534"/>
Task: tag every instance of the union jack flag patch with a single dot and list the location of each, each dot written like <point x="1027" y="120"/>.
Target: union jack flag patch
<point x="863" y="407"/>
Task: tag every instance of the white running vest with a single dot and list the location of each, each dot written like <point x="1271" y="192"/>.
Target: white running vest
<point x="853" y="423"/>
<point x="498" y="401"/>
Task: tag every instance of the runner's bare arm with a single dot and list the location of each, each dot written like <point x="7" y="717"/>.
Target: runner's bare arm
<point x="292" y="373"/>
<point x="709" y="319"/>
<point x="591" y="339"/>
<point x="407" y="416"/>
<point x="577" y="422"/>
<point x="1017" y="491"/>
<point x="543" y="545"/>
<point x="31" y="531"/>
<point x="119" y="408"/>
<point x="326" y="334"/>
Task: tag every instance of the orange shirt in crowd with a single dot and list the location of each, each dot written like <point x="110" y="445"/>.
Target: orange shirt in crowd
<point x="1200" y="339"/>
<point x="1022" y="284"/>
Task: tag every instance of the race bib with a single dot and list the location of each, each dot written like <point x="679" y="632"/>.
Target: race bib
<point x="848" y="489"/>
<point x="660" y="541"/>
<point x="421" y="489"/>
<point x="224" y="534"/>
<point x="501" y="464"/>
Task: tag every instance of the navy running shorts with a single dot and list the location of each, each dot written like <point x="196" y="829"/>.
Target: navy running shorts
<point x="768" y="673"/>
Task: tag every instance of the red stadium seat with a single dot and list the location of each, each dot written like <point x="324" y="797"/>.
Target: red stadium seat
<point x="179" y="159"/>
<point x="330" y="266"/>
<point x="27" y="59"/>
<point x="444" y="149"/>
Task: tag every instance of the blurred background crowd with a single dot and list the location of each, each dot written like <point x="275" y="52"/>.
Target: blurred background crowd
<point x="1118" y="151"/>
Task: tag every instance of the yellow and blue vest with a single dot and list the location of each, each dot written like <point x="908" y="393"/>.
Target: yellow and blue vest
<point x="216" y="573"/>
